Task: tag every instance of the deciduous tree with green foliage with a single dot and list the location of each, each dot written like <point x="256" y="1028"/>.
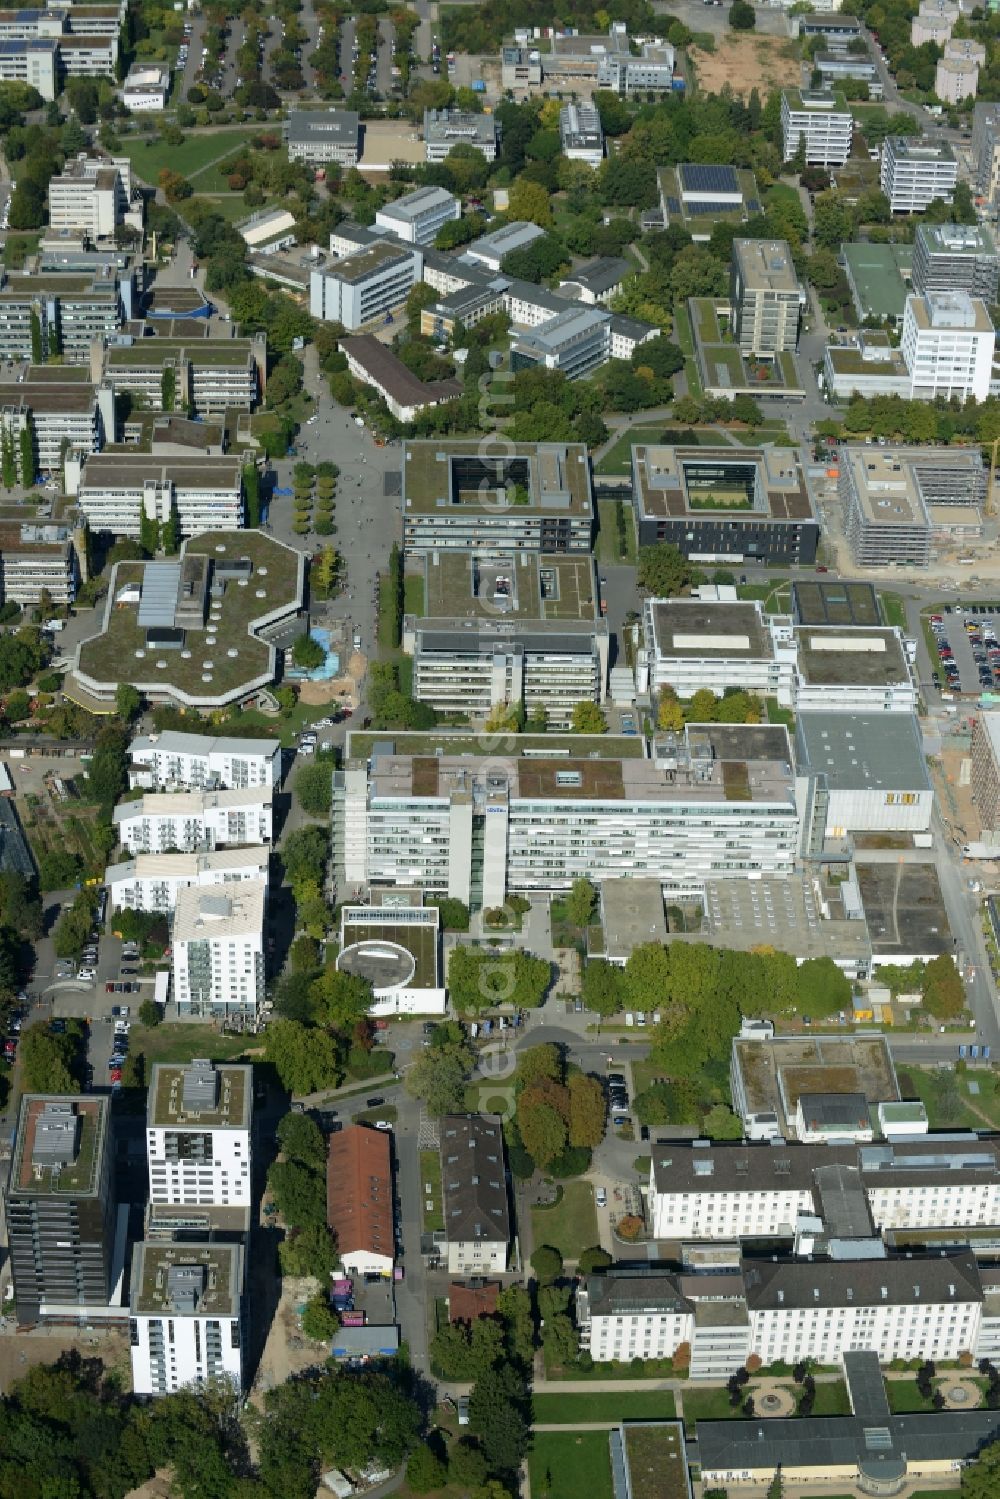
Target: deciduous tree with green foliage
<point x="304" y="1056"/>
<point x="580" y="902"/>
<point x="319" y="1321"/>
<point x="663" y="570"/>
<point x="439" y="1076"/>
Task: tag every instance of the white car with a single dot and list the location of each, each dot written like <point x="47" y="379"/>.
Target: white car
<point x="87" y="975"/>
<point x="307" y="749"/>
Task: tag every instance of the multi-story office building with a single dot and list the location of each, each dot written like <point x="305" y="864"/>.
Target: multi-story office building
<point x="986" y="770"/>
<point x="986" y="151"/>
<point x="470" y="827"/>
<point x="956" y="77"/>
<point x="209" y="375"/>
<point x="186" y="1324"/>
<point x="146" y="88"/>
<point x="62" y="314"/>
<point x="834" y="67"/>
<point x="198" y="1134"/>
<point x="956" y="257"/>
<point x="194" y="820"/>
<point x="689" y="645"/>
<point x="363" y="287"/>
<point x="575" y="342"/>
<point x="520" y="67"/>
<point x="852" y="671"/>
<point x="515" y="629"/>
<point x="321" y="136"/>
<point x="218" y="950"/>
<point x="623" y="1315"/>
<point x="528" y="305"/>
<point x="171" y="761"/>
<point x="629" y="334"/>
<point x="444" y="129"/>
<point x="474" y="1192"/>
<point x="652" y="72"/>
<point x="416" y="217"/>
<point x="67" y="415"/>
<point x="947" y="344"/>
<point x="717" y="506"/>
<point x="533" y="497"/>
<point x="869" y="772"/>
<point x="818" y="123"/>
<point x="895" y="499"/>
<point x="933" y="22"/>
<point x="117" y="490"/>
<point x="490" y="249"/>
<point x="765" y="297"/>
<point x="94" y="196"/>
<point x="150" y="882"/>
<point x="37" y="559"/>
<point x="34" y="61"/>
<point x="580" y="134"/>
<point x="725" y="1191"/>
<point x="60" y="1206"/>
<point x="597" y="281"/>
<point x="915" y="171"/>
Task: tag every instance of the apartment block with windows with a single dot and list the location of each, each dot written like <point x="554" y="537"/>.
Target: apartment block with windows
<point x="463" y="825"/>
<point x="151" y="882"/>
<point x="210" y="375"/>
<point x="818" y="123"/>
<point x="62" y="314"/>
<point x="576" y="342"/>
<point x="186" y="1322"/>
<point x="171" y="761"/>
<point x="60" y="1207"/>
<point x="218" y="950"/>
<point x="365" y="286"/>
<point x="948" y="343"/>
<point x="64" y="415"/>
<point x="416" y="217"/>
<point x="194" y="820"/>
<point x="37" y="559"/>
<point x="116" y="490"/>
<point x="986" y="769"/>
<point x="198" y="1134"/>
<point x="319" y="136"/>
<point x="93" y="195"/>
<point x="956" y="257"/>
<point x="477" y="1227"/>
<point x="766" y="299"/>
<point x="916" y="170"/>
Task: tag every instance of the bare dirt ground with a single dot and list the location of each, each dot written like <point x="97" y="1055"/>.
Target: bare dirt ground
<point x="286" y="1351"/>
<point x="747" y="62"/>
<point x="20" y="1352"/>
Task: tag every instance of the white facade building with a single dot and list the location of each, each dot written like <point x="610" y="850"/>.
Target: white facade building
<point x="117" y="490"/>
<point x="622" y="1317"/>
<point x="172" y="761"/>
<point x="218" y="950"/>
<point x="151" y="882"/>
<point x="915" y="171"/>
<point x="947" y="343"/>
<point x="185" y="1317"/>
<point x="688" y="645"/>
<point x="321" y="136"/>
<point x="416" y="217"/>
<point x="146" y="88"/>
<point x="474" y="1192"/>
<point x="869" y="770"/>
<point x="198" y="1134"/>
<point x="194" y="820"/>
<point x="818" y="121"/>
<point x="580" y="134"/>
<point x="444" y="129"/>
<point x="364" y="287"/>
<point x="93" y="195"/>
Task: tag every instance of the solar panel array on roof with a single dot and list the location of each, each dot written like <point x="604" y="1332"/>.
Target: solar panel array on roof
<point x="753" y="205"/>
<point x="709" y="207"/>
<point x="673" y="205"/>
<point x="158" y="601"/>
<point x="708" y="179"/>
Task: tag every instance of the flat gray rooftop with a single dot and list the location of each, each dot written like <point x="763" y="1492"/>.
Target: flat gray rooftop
<point x="905" y="910"/>
<point x="632" y="913"/>
<point x="863" y="751"/>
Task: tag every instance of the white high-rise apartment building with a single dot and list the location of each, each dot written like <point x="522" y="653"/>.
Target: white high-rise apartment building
<point x="151" y="882"/>
<point x="185" y="1318"/>
<point x="198" y="1134"/>
<point x="915" y="171"/>
<point x="947" y="344"/>
<point x="172" y="761"/>
<point x="162" y="822"/>
<point x="819" y="122"/>
<point x="218" y="950"/>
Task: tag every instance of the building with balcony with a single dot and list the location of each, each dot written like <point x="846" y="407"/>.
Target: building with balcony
<point x="948" y="343"/>
<point x="207" y="375"/>
<point x="218" y="949"/>
<point x="194" y="820"/>
<point x="37" y="560"/>
<point x="916" y="170"/>
<point x="766" y="298"/>
<point x="818" y="123"/>
<point x="198" y="1132"/>
<point x="186" y="1322"/>
<point x="150" y="882"/>
<point x="118" y="490"/>
<point x="171" y="761"/>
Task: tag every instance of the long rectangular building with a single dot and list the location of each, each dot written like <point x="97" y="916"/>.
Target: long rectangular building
<point x="717" y="803"/>
<point x="211" y="375"/>
<point x="37" y="559"/>
<point x="63" y="412"/>
<point x="529" y="497"/>
<point x="194" y="820"/>
<point x="172" y="761"/>
<point x="151" y="882"/>
<point x="116" y="490"/>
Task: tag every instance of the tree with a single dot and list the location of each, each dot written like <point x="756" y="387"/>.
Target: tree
<point x="546" y="1263"/>
<point x="593" y="1259"/>
<point x="539" y="1063"/>
<point x="981" y="1478"/>
<point x="580" y="902"/>
<point x="58" y="869"/>
<point x="541" y="1124"/>
<point x="299" y="1192"/>
<point x="646" y="975"/>
<point x="319" y="1321"/>
<point x="149" y="1014"/>
<point x="46" y="1059"/>
<point x="128" y="702"/>
<point x="670" y="712"/>
<point x="514" y="1309"/>
<point x="663" y="570"/>
<point x="304" y="1057"/>
<point x="424" y="1470"/>
<point x="308" y="653"/>
<point x="587" y="1111"/>
<point x="340" y="999"/>
<point x="466" y="1465"/>
<point x="602" y="989"/>
<point x="308" y="1251"/>
<point x="530" y="201"/>
<point x="742" y="16"/>
<point x="314" y="787"/>
<point x="301" y="1139"/>
<point x="439" y="1078"/>
<point x="823" y="989"/>
<point x="454" y="914"/>
<point x="587" y="718"/>
<point x="498" y="1414"/>
<point x="943" y="992"/>
<point x="720" y="1123"/>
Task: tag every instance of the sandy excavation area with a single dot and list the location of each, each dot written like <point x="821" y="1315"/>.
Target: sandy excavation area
<point x="748" y="62"/>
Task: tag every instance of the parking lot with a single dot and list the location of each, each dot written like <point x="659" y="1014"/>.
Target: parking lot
<point x="968" y="646"/>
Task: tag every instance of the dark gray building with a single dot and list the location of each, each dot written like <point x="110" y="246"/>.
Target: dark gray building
<point x="60" y="1206"/>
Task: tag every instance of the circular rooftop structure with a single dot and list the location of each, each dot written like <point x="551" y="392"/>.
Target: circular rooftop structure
<point x="385" y="965"/>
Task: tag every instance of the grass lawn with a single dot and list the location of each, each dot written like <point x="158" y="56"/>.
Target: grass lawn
<point x="181" y="1043"/>
<point x="894" y="610"/>
<point x="386" y="1111"/>
<point x="618" y="458"/>
<point x="709" y="1405"/>
<point x="430" y="1179"/>
<point x="946" y="1095"/>
<point x="831" y="1399"/>
<point x="230" y="205"/>
<point x="413" y="595"/>
<point x="571" y="1225"/>
<point x="18" y="247"/>
<point x="777" y="714"/>
<point x="568" y="1410"/>
<point x="682" y="330"/>
<point x="198" y="150"/>
<point x="905" y="1398"/>
<point x="567" y="1464"/>
<point x="607" y="549"/>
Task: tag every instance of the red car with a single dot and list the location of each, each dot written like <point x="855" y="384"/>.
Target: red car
<point x="109" y="987"/>
<point x="116" y="1075"/>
